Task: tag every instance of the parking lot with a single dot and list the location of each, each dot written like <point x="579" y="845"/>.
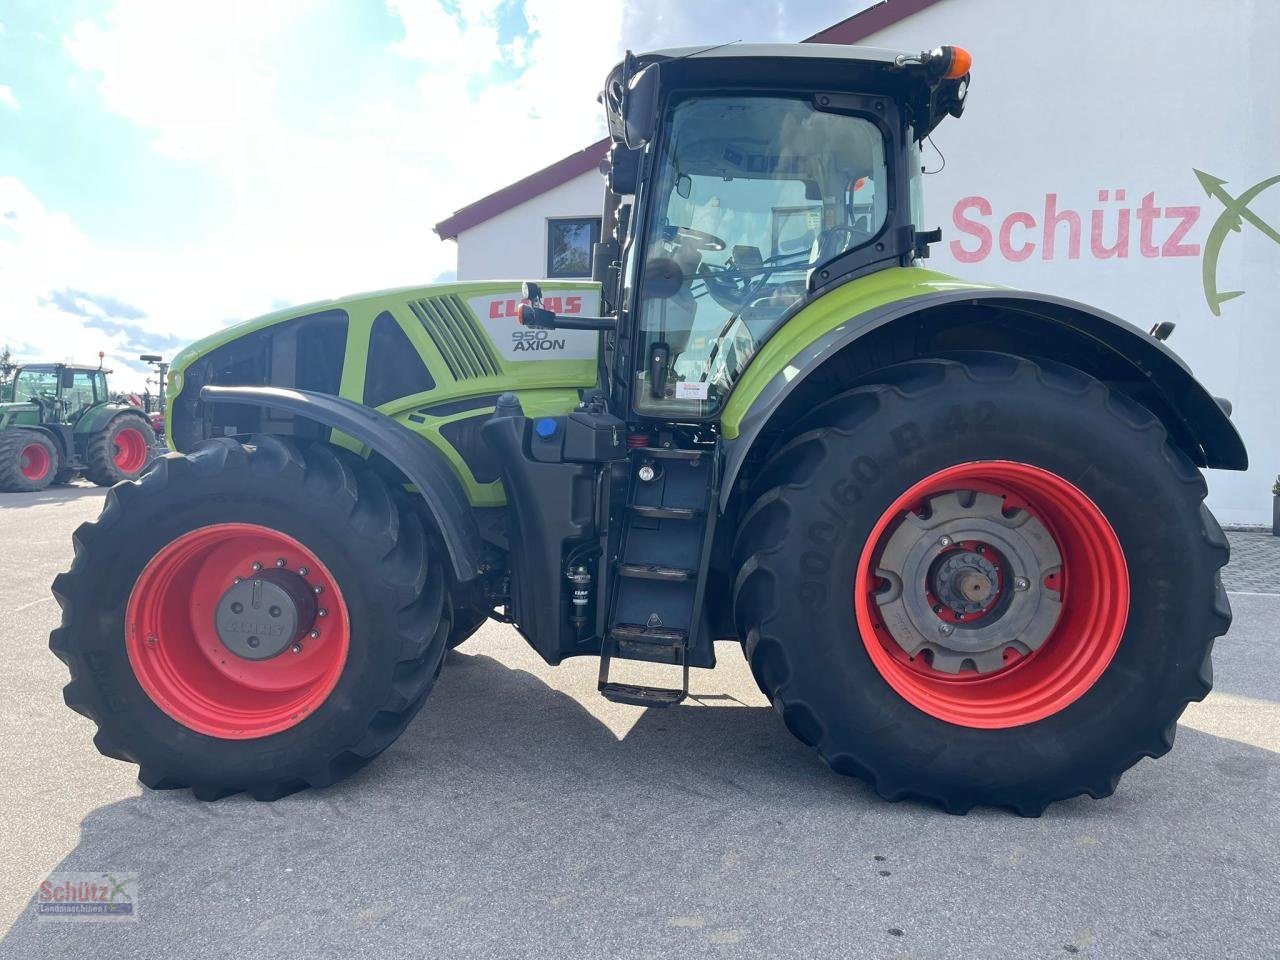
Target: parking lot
<point x="523" y="815"/>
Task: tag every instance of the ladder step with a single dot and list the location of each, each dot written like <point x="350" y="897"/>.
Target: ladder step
<point x="636" y="694"/>
<point x="639" y="696"/>
<point x="636" y="633"/>
<point x="666" y="513"/>
<point x="670" y="453"/>
<point x="648" y="571"/>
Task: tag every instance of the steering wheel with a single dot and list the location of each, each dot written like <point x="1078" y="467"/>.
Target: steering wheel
<point x="697" y="239"/>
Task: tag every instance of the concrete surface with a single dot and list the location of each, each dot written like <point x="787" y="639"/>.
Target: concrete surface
<point x="523" y="816"/>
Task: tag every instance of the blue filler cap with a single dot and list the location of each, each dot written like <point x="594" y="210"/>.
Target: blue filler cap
<point x="546" y="427"/>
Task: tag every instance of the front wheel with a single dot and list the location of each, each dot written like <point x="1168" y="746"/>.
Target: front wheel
<point x="981" y="581"/>
<point x="253" y="618"/>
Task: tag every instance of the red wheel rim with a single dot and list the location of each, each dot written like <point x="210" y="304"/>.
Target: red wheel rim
<point x="1093" y="585"/>
<point x="34" y="461"/>
<point x="130" y="450"/>
<point x="183" y="665"/>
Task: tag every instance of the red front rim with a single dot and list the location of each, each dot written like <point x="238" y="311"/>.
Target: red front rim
<point x="130" y="450"/>
<point x="1092" y="585"/>
<point x="183" y="665"/>
<point x="34" y="461"/>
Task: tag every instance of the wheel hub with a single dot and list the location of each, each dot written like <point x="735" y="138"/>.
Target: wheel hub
<point x="966" y="580"/>
<point x="261" y="617"/>
<point x="965" y="585"/>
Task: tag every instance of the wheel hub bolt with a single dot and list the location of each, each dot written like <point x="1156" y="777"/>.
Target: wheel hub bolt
<point x="296" y="648"/>
<point x="946" y="629"/>
<point x="1021" y="583"/>
<point x="257" y="565"/>
<point x="322" y="612"/>
<point x="282" y="562"/>
<point x="945" y="541"/>
<point x="314" y="634"/>
<point x="303" y="571"/>
<point x="317" y="589"/>
<point x="237" y="579"/>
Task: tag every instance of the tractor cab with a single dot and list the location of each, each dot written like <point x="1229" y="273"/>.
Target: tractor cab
<point x="745" y="180"/>
<point x="63" y="392"/>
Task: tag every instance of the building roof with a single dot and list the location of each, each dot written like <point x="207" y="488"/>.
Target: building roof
<point x="512" y="195"/>
<point x="850" y="30"/>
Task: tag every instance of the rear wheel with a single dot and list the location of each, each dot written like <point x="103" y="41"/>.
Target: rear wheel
<point x="251" y="618"/>
<point x="120" y="451"/>
<point x="981" y="582"/>
<point x="28" y="460"/>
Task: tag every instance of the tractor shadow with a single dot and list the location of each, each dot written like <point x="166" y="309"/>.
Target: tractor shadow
<point x="510" y="821"/>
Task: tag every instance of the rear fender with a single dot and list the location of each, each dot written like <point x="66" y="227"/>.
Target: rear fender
<point x="97" y="417"/>
<point x="423" y="465"/>
<point x="1033" y="325"/>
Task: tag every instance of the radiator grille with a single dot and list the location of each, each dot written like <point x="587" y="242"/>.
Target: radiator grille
<point x="466" y="351"/>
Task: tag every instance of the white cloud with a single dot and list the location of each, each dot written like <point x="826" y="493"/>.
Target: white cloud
<point x="200" y="75"/>
<point x="8" y="98"/>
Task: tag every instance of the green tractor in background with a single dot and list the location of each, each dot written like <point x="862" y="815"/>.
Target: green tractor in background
<point x="957" y="529"/>
<point x="57" y="421"/>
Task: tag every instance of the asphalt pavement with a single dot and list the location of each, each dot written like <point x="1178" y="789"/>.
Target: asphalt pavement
<point x="521" y="815"/>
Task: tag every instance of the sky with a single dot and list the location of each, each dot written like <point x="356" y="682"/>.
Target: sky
<point x="168" y="167"/>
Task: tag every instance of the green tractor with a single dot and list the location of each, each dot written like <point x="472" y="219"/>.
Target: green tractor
<point x="57" y="421"/>
<point x="957" y="529"/>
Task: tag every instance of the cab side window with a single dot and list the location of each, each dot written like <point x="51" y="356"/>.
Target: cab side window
<point x="83" y="392"/>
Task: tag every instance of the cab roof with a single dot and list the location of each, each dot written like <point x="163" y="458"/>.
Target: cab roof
<point x="806" y="51"/>
<point x="82" y="367"/>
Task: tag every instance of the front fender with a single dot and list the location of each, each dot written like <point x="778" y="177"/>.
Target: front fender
<point x="1216" y="442"/>
<point x="421" y="463"/>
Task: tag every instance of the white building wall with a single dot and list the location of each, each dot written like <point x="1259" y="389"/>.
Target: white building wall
<point x="513" y="245"/>
<point x="1077" y="101"/>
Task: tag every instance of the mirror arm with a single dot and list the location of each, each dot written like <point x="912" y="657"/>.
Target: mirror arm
<point x="539" y="319"/>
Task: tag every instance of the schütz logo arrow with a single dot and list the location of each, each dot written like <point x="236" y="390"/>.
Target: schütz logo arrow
<point x="1235" y="213"/>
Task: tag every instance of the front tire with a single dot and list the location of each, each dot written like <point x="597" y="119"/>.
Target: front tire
<point x="190" y="697"/>
<point x="846" y="565"/>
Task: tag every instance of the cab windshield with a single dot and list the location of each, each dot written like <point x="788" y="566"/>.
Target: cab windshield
<point x="751" y="195"/>
<point x="35" y="385"/>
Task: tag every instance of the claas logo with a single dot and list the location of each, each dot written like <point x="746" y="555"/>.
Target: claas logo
<point x="506" y="309"/>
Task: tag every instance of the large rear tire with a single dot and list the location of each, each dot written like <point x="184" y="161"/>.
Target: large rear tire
<point x="886" y="506"/>
<point x="119" y="451"/>
<point x="189" y="696"/>
<point x="28" y="461"/>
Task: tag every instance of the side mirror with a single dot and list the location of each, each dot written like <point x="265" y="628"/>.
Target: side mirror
<point x="640" y="108"/>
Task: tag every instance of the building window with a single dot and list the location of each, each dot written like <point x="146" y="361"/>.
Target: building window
<point x="569" y="244"/>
